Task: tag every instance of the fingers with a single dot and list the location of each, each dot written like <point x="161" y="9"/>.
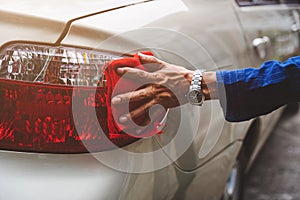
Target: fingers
<point x="134" y="114"/>
<point x="155" y="114"/>
<point x="134" y="96"/>
<point x="146" y="59"/>
<point x="156" y="111"/>
<point x="140" y="75"/>
<point x="137" y="112"/>
<point x="143" y="108"/>
<point x="150" y="62"/>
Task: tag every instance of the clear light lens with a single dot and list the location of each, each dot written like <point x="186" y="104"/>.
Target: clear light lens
<point x="56" y="65"/>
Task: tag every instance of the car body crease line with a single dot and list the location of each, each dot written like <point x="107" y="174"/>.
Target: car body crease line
<point x="69" y="23"/>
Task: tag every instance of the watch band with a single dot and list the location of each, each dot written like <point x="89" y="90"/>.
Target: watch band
<point x="195" y="95"/>
<point x="197" y="80"/>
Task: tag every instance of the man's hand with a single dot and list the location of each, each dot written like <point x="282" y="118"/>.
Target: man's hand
<point x="165" y="84"/>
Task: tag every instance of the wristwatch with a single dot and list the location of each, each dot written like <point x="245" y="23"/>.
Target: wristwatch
<point x="195" y="95"/>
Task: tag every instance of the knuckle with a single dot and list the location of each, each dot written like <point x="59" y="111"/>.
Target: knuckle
<point x="158" y="77"/>
<point x="157" y="99"/>
<point x="141" y="74"/>
<point x="153" y="89"/>
<point x="142" y="94"/>
<point x="163" y="79"/>
<point x="152" y="59"/>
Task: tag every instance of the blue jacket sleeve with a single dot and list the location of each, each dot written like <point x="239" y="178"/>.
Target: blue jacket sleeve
<point x="251" y="92"/>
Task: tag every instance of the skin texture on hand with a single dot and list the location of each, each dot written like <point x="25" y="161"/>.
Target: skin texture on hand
<point x="165" y="84"/>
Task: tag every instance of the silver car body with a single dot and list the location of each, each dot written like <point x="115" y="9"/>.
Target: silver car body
<point x="196" y="34"/>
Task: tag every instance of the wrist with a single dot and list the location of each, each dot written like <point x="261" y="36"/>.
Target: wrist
<point x="209" y="87"/>
<point x="195" y="95"/>
<point x="208" y="84"/>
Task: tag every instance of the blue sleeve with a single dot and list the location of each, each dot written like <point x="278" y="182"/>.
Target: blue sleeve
<point x="251" y="92"/>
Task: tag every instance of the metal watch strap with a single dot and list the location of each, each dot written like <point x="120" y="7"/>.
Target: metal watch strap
<point x="197" y="80"/>
<point x="195" y="95"/>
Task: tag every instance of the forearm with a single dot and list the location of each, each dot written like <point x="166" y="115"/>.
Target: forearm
<point x="251" y="92"/>
<point x="241" y="98"/>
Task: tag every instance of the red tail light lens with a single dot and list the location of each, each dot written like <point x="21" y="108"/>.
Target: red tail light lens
<point x="53" y="100"/>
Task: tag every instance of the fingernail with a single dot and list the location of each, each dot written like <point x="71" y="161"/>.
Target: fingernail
<point x="116" y="100"/>
<point x="123" y="119"/>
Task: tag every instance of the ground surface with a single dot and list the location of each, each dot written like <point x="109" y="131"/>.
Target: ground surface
<point x="276" y="173"/>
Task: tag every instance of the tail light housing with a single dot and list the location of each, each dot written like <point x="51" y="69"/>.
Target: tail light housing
<point x="52" y="99"/>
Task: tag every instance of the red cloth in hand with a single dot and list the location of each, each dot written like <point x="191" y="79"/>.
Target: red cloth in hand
<point x="117" y="85"/>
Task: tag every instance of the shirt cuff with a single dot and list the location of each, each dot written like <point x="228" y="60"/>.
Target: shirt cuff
<point x="229" y="95"/>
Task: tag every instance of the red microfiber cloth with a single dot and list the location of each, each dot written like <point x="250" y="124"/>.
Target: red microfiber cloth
<point x="117" y="85"/>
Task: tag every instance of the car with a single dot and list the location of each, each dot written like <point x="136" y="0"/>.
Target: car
<point x="55" y="142"/>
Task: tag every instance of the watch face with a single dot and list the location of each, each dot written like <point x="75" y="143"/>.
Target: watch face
<point x="195" y="97"/>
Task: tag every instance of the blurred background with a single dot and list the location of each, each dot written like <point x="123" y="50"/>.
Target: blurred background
<point x="276" y="172"/>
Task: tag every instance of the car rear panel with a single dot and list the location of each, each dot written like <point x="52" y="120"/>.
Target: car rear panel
<point x="64" y="177"/>
<point x="80" y="177"/>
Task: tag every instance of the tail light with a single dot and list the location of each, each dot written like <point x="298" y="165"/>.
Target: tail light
<point x="39" y="88"/>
